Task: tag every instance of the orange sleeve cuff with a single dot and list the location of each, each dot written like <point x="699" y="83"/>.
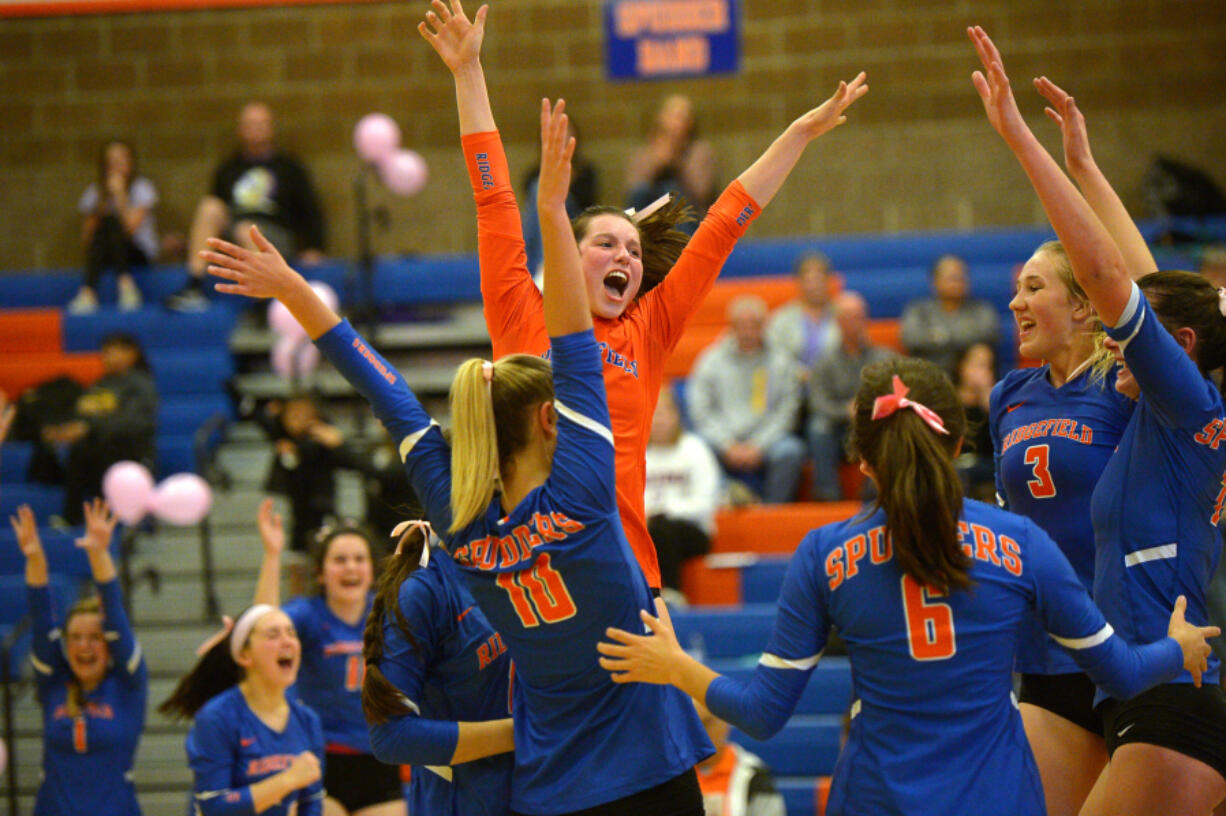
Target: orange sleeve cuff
<point x="486" y="161"/>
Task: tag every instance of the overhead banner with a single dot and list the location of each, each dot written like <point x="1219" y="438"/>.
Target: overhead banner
<point x="662" y="39"/>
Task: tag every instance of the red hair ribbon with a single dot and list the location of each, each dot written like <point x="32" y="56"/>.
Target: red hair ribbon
<point x="887" y="404"/>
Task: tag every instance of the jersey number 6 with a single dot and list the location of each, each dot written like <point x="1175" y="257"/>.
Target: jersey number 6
<point x="930" y="623"/>
<point x="1041" y="486"/>
<point x="538" y="594"/>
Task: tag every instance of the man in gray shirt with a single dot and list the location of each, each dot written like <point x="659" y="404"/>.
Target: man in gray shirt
<point x="743" y="398"/>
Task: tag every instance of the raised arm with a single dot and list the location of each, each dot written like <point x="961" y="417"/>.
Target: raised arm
<point x="566" y="307"/>
<point x="764" y="177"/>
<point x="457" y="41"/>
<point x="1098" y="192"/>
<point x="272" y="534"/>
<point x="99" y="529"/>
<point x="1096" y="260"/>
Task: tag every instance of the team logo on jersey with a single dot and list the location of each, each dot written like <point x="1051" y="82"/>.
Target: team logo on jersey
<point x="978" y="542"/>
<point x="269" y="764"/>
<point x="490" y="651"/>
<point x="501" y="552"/>
<point x="1212" y="434"/>
<point x="610" y="358"/>
<point x="1067" y="428"/>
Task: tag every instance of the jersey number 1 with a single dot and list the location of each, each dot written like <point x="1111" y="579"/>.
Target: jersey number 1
<point x="1041" y="486"/>
<point x="930" y="623"/>
<point x="538" y="594"/>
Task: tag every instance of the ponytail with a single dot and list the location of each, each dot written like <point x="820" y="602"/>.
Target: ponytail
<point x="213" y="673"/>
<point x="917" y="484"/>
<point x="381" y="701"/>
<point x="489" y="425"/>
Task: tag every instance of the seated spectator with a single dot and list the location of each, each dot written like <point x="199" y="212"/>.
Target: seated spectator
<point x="805" y="327"/>
<point x="674" y="160"/>
<point x="832" y="390"/>
<point x="682" y="491"/>
<point x="583" y="184"/>
<point x="975" y="374"/>
<point x="1213" y="264"/>
<point x="942" y="327"/>
<point x="114" y="421"/>
<point x="119" y="231"/>
<point x="743" y="398"/>
<point x="257" y="185"/>
<point x="734" y="781"/>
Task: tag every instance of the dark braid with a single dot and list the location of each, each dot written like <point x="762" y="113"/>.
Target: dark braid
<point x="381" y="701"/>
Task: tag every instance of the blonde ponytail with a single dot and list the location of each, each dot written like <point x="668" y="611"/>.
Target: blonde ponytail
<point x="474" y="444"/>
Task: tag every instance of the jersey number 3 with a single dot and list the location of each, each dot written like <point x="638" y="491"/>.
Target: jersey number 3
<point x="538" y="594"/>
<point x="930" y="623"/>
<point x="1041" y="486"/>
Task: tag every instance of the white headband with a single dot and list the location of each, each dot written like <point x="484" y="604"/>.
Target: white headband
<point x="637" y="216"/>
<point x="244" y="625"/>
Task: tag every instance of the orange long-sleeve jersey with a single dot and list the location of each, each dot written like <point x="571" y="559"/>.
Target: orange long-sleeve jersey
<point x="635" y="345"/>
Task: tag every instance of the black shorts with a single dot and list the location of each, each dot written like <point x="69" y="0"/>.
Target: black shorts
<point x="1178" y="716"/>
<point x="679" y="796"/>
<point x="1070" y="696"/>
<point x="359" y="780"/>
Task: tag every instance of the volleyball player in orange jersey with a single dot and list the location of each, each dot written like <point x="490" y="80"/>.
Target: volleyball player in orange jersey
<point x="643" y="280"/>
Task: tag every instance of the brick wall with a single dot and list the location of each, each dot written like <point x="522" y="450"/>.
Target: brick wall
<point x="917" y="153"/>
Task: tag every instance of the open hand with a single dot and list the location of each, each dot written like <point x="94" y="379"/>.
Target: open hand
<point x="829" y="114"/>
<point x="1192" y="639"/>
<point x="1064" y="112"/>
<point x="272" y="528"/>
<point x="557" y="148"/>
<point x="99" y="525"/>
<point x="994" y="90"/>
<point x="644" y="658"/>
<point x="260" y="274"/>
<point x="26" y="528"/>
<point x="452" y="35"/>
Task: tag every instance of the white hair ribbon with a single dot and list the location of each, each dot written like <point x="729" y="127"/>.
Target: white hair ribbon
<point x="638" y="215"/>
<point x="402" y="531"/>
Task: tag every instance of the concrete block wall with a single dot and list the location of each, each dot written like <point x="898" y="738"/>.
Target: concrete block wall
<point x="917" y="153"/>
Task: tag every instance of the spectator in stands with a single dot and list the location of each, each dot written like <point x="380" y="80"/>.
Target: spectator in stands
<point x="832" y="392"/>
<point x="682" y="491"/>
<point x="114" y="421"/>
<point x="940" y="328"/>
<point x="92" y="679"/>
<point x="120" y="230"/>
<point x="257" y="185"/>
<point x="806" y="327"/>
<point x="734" y="781"/>
<point x="1213" y="265"/>
<point x="308" y="451"/>
<point x="674" y="160"/>
<point x="583" y="184"/>
<point x="974" y="376"/>
<point x="743" y="399"/>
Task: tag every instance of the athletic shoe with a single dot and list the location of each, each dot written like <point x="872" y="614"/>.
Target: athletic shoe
<point x="86" y="302"/>
<point x="190" y="299"/>
<point x="129" y="296"/>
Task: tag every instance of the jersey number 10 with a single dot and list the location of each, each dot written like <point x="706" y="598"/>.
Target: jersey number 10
<point x="538" y="594"/>
<point x="930" y="623"/>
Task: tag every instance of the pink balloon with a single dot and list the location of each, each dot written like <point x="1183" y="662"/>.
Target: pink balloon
<point x="327" y="294"/>
<point x="376" y="137"/>
<point x="292" y="357"/>
<point x="404" y="173"/>
<point x="282" y="322"/>
<point x="128" y="488"/>
<point x="183" y="499"/>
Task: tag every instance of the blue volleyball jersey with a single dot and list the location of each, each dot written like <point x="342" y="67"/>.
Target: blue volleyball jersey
<point x="87" y="759"/>
<point x="330" y="678"/>
<point x="1050" y="446"/>
<point x="935" y="727"/>
<point x="229" y="749"/>
<point x="1160" y="498"/>
<point x="551" y="576"/>
<point x="455" y="669"/>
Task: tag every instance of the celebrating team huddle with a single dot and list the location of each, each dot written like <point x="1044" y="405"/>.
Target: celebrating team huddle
<point x="516" y="651"/>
